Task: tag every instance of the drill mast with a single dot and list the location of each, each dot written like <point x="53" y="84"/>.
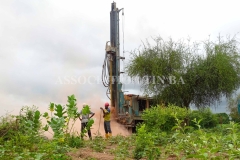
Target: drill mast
<point x="113" y="61"/>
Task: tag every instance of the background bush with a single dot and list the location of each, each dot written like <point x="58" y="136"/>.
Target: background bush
<point x="162" y="118"/>
<point x="209" y="119"/>
<point x="222" y="118"/>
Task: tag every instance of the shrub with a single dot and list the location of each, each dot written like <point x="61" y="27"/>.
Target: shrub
<point x="8" y="127"/>
<point x="146" y="145"/>
<point x="21" y="135"/>
<point x="209" y="120"/>
<point x="233" y="108"/>
<point x="222" y="118"/>
<point x="163" y="118"/>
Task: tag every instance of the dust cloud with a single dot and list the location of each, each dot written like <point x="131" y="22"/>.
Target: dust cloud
<point x="98" y="128"/>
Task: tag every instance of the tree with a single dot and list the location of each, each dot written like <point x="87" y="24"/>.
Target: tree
<point x="187" y="73"/>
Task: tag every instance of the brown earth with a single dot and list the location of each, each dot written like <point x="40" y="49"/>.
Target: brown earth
<point x="90" y="154"/>
<point x="87" y="153"/>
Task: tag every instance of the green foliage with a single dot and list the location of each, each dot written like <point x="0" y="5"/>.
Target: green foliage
<point x="233" y="108"/>
<point x="21" y="138"/>
<point x="206" y="78"/>
<point x="178" y="142"/>
<point x="180" y="126"/>
<point x="74" y="141"/>
<point x="145" y="144"/>
<point x="222" y="118"/>
<point x="197" y="123"/>
<point x="29" y="120"/>
<point x="98" y="144"/>
<point x="71" y="107"/>
<point x="60" y="111"/>
<point x="216" y="143"/>
<point x="208" y="119"/>
<point x="8" y="127"/>
<point x="162" y="118"/>
<point x="85" y="111"/>
<point x="59" y="123"/>
<point x="123" y="148"/>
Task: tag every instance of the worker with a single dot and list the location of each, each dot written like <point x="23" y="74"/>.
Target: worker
<point x="107" y="116"/>
<point x="84" y="121"/>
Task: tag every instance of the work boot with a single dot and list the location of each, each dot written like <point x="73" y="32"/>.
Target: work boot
<point x="110" y="135"/>
<point x="106" y="135"/>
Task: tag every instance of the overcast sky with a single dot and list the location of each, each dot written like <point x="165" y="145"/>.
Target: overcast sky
<point x="41" y="42"/>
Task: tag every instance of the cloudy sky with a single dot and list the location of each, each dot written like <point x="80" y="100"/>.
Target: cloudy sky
<point x="46" y="44"/>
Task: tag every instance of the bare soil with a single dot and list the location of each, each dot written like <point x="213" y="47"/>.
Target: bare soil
<point x="87" y="154"/>
<point x="90" y="154"/>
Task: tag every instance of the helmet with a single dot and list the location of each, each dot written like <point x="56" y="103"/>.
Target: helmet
<point x="84" y="104"/>
<point x="106" y="104"/>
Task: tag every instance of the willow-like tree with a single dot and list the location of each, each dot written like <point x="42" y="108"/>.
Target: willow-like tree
<point x="187" y="74"/>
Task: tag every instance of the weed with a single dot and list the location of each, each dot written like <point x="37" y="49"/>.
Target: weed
<point x="98" y="144"/>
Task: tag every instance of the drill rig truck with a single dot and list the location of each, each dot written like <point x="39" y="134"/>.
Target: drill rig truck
<point x="127" y="108"/>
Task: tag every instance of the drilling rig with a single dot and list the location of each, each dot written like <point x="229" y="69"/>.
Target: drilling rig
<point x="127" y="108"/>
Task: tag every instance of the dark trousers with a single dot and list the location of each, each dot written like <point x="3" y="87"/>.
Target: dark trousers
<point x="83" y="126"/>
<point x="107" y="127"/>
